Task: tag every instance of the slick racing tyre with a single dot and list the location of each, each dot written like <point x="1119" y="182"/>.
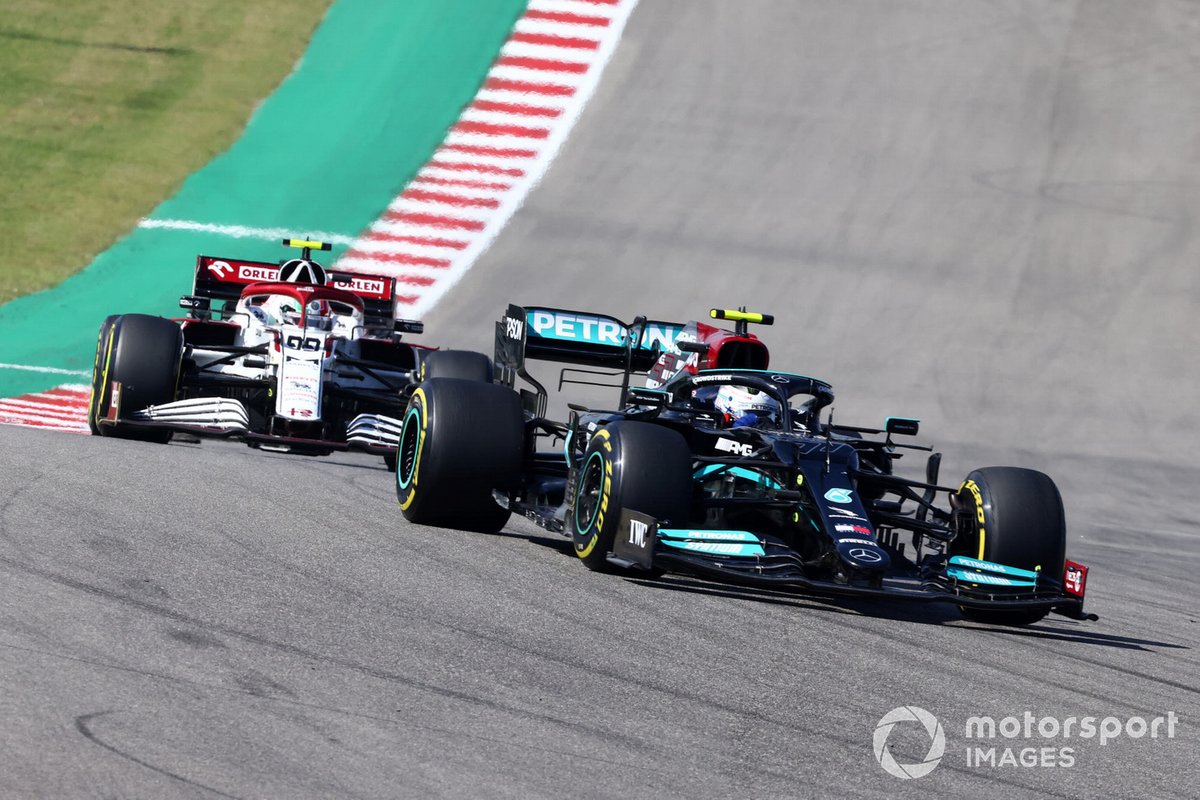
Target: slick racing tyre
<point x="137" y="365"/>
<point x="1017" y="520"/>
<point x="461" y="440"/>
<point x="98" y="370"/>
<point x="465" y="364"/>
<point x="635" y="465"/>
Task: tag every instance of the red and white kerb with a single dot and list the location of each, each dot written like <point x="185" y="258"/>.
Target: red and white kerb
<point x="497" y="151"/>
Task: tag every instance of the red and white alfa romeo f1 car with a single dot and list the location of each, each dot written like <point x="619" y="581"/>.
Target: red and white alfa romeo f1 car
<point x="285" y="356"/>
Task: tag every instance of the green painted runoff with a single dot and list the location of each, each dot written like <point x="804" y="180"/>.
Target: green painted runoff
<point x="372" y="97"/>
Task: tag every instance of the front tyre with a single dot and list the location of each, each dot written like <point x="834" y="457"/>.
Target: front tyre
<point x="635" y="465"/>
<point x="102" y="349"/>
<point x="1018" y="520"/>
<point x="137" y="365"/>
<point x="461" y="439"/>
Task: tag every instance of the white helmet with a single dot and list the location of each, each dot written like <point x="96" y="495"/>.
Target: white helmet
<point x="278" y="309"/>
<point x="743" y="405"/>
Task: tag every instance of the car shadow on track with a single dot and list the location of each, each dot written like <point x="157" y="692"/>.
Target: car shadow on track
<point x="1082" y="635"/>
<point x="324" y="462"/>
<point x="916" y="613"/>
<point x="548" y="541"/>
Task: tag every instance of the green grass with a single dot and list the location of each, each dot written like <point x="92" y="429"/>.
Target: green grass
<point x="106" y="106"/>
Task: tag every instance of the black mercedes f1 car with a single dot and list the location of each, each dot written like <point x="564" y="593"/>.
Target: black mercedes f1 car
<point x="723" y="467"/>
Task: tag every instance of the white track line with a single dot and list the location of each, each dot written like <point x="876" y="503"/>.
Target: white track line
<point x="241" y="231"/>
<point x="48" y="370"/>
<point x="458" y="203"/>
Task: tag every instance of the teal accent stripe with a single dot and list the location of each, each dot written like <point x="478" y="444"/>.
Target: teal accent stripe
<point x="991" y="566"/>
<point x="971" y="576"/>
<point x="402" y="479"/>
<point x="714" y="535"/>
<point x="717" y="548"/>
<point x="579" y="489"/>
<point x="740" y="472"/>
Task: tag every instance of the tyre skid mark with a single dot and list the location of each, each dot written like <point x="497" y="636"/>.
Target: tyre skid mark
<point x="83" y="724"/>
<point x="241" y="691"/>
<point x="312" y="655"/>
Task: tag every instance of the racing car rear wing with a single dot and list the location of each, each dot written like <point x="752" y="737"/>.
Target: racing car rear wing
<point x="222" y="280"/>
<point x="576" y="337"/>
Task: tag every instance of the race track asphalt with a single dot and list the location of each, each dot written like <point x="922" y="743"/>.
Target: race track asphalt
<point x="982" y="214"/>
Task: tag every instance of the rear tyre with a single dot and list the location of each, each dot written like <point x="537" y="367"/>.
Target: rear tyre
<point x="1018" y="520"/>
<point x="466" y="365"/>
<point x="635" y="465"/>
<point x="461" y="439"/>
<point x="137" y="365"/>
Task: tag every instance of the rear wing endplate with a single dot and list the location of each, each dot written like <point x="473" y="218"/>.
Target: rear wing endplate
<point x="582" y="338"/>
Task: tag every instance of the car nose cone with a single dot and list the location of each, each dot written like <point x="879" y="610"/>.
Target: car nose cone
<point x="864" y="555"/>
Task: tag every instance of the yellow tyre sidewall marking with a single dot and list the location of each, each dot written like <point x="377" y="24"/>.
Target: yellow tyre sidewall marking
<point x="97" y="399"/>
<point x="605" y="490"/>
<point x="420" y="402"/>
<point x="980" y="518"/>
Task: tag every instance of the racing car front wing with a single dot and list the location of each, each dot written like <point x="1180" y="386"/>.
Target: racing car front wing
<point x="222" y="417"/>
<point x="741" y="557"/>
<point x="215" y="413"/>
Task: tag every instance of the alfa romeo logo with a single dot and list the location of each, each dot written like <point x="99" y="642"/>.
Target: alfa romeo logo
<point x="937" y="742"/>
<point x="220" y="269"/>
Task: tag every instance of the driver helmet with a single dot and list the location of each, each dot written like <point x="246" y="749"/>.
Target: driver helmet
<point x="302" y="270"/>
<point x="740" y="406"/>
<point x="281" y="310"/>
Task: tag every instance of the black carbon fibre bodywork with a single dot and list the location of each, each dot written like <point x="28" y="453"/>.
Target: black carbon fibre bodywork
<point x="793" y="502"/>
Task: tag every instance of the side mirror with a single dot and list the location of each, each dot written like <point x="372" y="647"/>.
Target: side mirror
<point x="692" y="347"/>
<point x="902" y="425"/>
<point x="198" y="307"/>
<point x="641" y="396"/>
<point x="194" y="303"/>
<point x="408" y="326"/>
